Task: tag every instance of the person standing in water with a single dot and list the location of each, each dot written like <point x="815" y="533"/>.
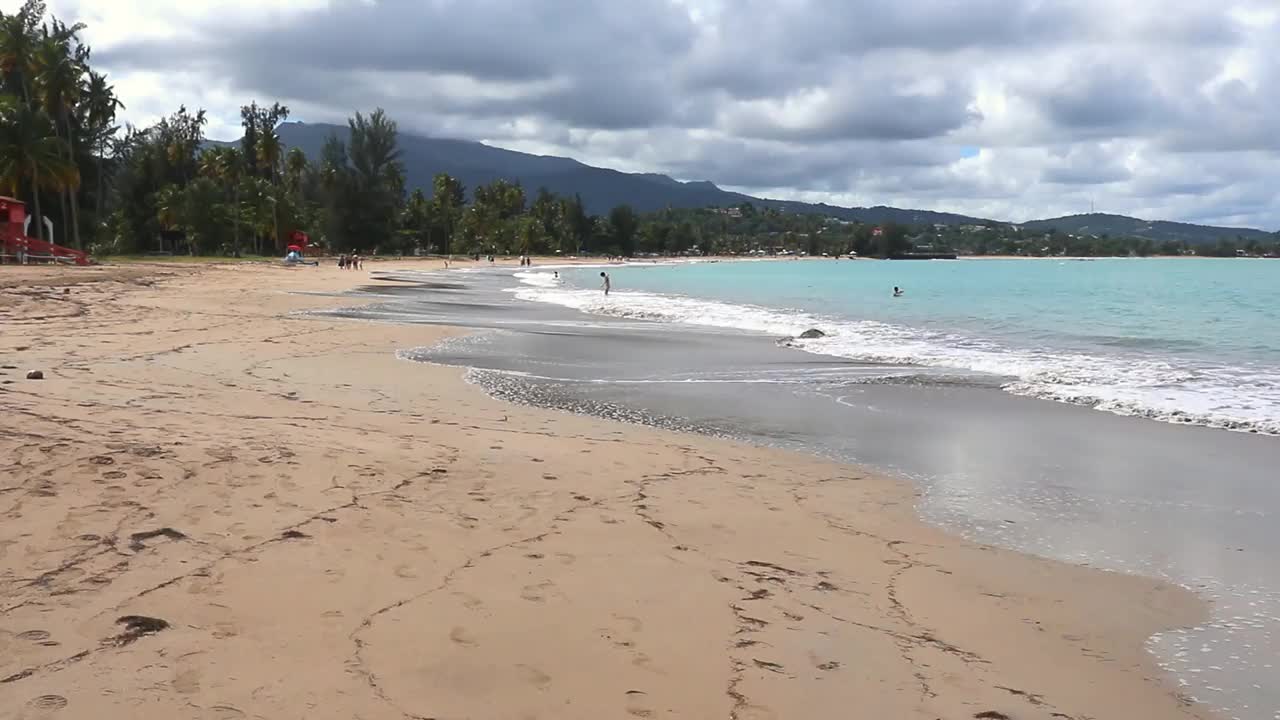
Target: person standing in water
<point x="605" y="284"/>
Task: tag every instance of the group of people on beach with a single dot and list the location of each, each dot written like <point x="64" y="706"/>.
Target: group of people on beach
<point x="350" y="262"/>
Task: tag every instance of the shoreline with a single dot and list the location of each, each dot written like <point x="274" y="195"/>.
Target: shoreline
<point x="433" y="565"/>
<point x="988" y="357"/>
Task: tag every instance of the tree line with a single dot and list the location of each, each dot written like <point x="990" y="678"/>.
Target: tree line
<point x="57" y="123"/>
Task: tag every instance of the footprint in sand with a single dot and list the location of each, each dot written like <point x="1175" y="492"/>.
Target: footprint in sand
<point x="536" y="677"/>
<point x="637" y="704"/>
<point x="633" y="623"/>
<point x="49" y="702"/>
<point x="461" y="636"/>
<point x="33" y="635"/>
<point x="200" y="585"/>
<point x="536" y="593"/>
<point x="644" y="662"/>
<point x="187" y="682"/>
<point x="405" y="572"/>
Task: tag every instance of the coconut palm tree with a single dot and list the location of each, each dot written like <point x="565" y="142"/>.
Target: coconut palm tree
<point x="260" y="210"/>
<point x="101" y="114"/>
<point x="58" y="70"/>
<point x="169" y="207"/>
<point x="226" y="165"/>
<point x="295" y="166"/>
<point x="17" y="46"/>
<point x="32" y="154"/>
<point x="270" y="153"/>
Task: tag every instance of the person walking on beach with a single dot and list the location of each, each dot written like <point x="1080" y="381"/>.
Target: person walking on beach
<point x="605" y="284"/>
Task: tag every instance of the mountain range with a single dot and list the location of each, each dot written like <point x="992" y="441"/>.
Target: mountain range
<point x="1160" y="230"/>
<point x="601" y="189"/>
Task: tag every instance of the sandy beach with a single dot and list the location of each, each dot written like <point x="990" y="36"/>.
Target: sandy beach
<point x="215" y="506"/>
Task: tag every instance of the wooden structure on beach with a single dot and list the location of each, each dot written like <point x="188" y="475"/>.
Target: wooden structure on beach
<point x="17" y="247"/>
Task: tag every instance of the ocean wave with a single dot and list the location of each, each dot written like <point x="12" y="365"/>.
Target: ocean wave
<point x="1238" y="398"/>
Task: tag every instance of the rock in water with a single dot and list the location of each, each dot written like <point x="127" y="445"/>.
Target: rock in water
<point x="811" y="334"/>
<point x="35" y="375"/>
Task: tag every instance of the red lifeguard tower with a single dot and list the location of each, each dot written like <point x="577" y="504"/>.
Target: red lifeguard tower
<point x="301" y="242"/>
<point x="16" y="247"/>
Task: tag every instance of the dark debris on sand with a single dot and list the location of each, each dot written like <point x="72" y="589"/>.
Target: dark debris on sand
<point x="136" y="626"/>
<point x="138" y="540"/>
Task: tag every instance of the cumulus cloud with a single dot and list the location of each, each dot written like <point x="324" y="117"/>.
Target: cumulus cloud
<point x="1003" y="108"/>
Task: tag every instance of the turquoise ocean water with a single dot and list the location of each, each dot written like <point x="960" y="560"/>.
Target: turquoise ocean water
<point x="1179" y="340"/>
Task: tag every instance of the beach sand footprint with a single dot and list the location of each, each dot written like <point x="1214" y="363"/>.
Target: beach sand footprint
<point x="187" y="681"/>
<point x="49" y="702"/>
<point x="462" y="636"/>
<point x="536" y="676"/>
<point x="537" y="592"/>
<point x="637" y="704"/>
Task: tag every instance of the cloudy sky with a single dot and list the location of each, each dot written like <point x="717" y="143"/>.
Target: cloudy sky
<point x="1010" y="109"/>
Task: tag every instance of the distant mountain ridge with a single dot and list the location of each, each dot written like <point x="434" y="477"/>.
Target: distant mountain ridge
<point x="1125" y="226"/>
<point x="601" y="189"/>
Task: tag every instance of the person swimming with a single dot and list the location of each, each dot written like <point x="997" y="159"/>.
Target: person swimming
<point x="897" y="291"/>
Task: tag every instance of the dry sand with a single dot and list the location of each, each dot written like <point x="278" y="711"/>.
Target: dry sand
<point x="306" y="527"/>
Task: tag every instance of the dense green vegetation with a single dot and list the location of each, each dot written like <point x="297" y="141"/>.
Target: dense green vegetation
<point x="168" y="189"/>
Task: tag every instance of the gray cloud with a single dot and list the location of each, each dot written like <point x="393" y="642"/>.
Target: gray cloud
<point x="1010" y="107"/>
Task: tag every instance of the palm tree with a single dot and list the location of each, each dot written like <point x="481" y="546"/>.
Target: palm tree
<point x="102" y="106"/>
<point x="32" y="154"/>
<point x="262" y="211"/>
<point x="17" y="45"/>
<point x="169" y="207"/>
<point x="58" y="70"/>
<point x="295" y="165"/>
<point x="226" y="165"/>
<point x="270" y="152"/>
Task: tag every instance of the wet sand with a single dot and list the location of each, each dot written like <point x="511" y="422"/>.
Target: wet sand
<point x="213" y="508"/>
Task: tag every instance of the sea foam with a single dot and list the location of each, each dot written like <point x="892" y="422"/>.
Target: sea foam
<point x="1234" y="397"/>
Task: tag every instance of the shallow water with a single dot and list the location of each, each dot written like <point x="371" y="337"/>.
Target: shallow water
<point x="1190" y="341"/>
